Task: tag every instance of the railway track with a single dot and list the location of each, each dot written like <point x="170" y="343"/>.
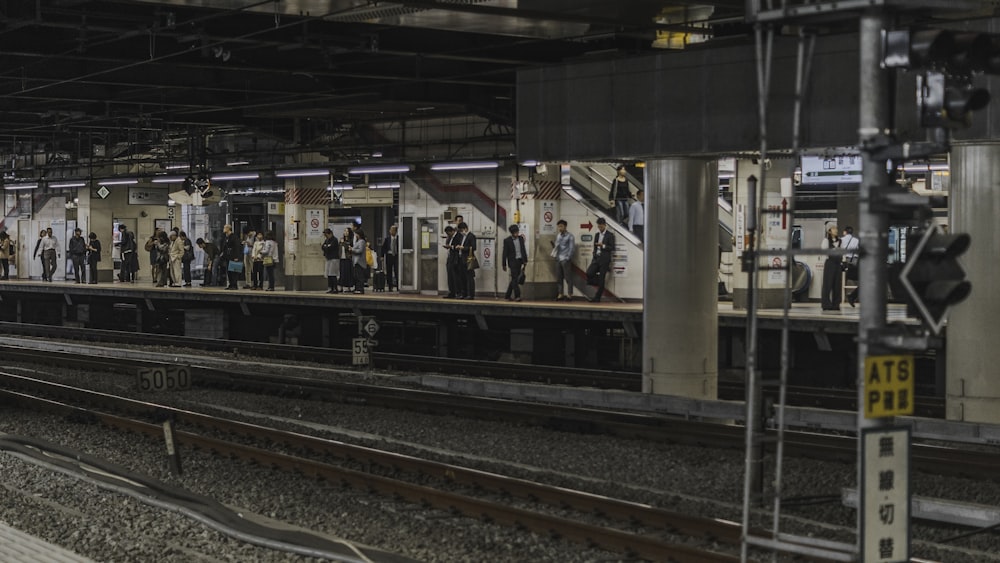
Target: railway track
<point x="933" y="459"/>
<point x="826" y="398"/>
<point x="649" y="543"/>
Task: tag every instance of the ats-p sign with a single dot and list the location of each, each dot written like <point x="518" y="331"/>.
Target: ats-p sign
<point x="888" y="386"/>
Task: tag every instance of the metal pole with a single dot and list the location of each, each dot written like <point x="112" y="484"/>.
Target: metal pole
<point x="753" y="471"/>
<point x="874" y="119"/>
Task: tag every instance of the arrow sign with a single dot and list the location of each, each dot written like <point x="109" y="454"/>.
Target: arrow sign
<point x="588" y="225"/>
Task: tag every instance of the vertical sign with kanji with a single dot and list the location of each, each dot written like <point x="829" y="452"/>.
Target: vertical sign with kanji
<point x="885" y="495"/>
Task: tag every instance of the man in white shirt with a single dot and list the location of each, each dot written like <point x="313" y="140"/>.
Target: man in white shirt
<point x="637" y="215"/>
<point x="49" y="254"/>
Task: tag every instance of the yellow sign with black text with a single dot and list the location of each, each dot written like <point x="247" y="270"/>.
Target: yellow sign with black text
<point x="888" y="386"/>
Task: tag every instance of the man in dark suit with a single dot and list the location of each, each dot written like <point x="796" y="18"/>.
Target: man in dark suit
<point x="232" y="251"/>
<point x="450" y="262"/>
<point x="600" y="264"/>
<point x="390" y="258"/>
<point x="465" y="247"/>
<point x="515" y="256"/>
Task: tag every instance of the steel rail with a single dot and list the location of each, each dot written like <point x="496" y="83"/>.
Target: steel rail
<point x="588" y="534"/>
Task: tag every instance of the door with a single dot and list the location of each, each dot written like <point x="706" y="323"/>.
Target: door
<point x="427" y="248"/>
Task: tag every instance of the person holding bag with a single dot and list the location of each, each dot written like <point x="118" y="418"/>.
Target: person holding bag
<point x="270" y="254"/>
<point x="359" y="253"/>
<point x="468" y="249"/>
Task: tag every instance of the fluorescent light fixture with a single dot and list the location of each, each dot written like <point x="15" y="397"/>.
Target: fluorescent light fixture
<point x="238" y="163"/>
<point x="118" y="181"/>
<point x="341" y="186"/>
<point x="168" y="179"/>
<point x="301" y="173"/>
<point x="21" y="186"/>
<point x="67" y="184"/>
<point x="530" y="163"/>
<point x="726" y="175"/>
<point x="177" y="166"/>
<point x="937" y="167"/>
<point x="384" y="186"/>
<point x="484" y="165"/>
<point x="236" y="176"/>
<point x="381" y="169"/>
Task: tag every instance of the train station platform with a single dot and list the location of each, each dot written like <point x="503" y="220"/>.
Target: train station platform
<point x="575" y="334"/>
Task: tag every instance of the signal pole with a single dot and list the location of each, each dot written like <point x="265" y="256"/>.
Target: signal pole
<point x="874" y="123"/>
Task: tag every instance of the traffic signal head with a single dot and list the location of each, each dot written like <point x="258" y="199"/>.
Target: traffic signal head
<point x="932" y="277"/>
<point x="942" y="50"/>
<point x="948" y="102"/>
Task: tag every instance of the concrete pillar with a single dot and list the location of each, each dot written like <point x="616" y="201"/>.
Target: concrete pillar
<point x="680" y="320"/>
<point x="771" y="289"/>
<point x="973" y="388"/>
<point x="306" y="203"/>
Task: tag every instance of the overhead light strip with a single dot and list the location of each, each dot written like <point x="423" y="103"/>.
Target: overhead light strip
<point x="236" y="176"/>
<point x="484" y="165"/>
<point x="301" y="173"/>
<point x="383" y="169"/>
<point x="118" y="181"/>
<point x="67" y="184"/>
<point x="168" y="179"/>
<point x="20" y="186"/>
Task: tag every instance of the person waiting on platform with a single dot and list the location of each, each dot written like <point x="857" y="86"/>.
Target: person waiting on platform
<point x="331" y="253"/>
<point x="50" y="254"/>
<point x="830" y="296"/>
<point x="451" y="261"/>
<point x="270" y="254"/>
<point x="851" y="245"/>
<point x="38" y="254"/>
<point x="211" y="253"/>
<point x="600" y="264"/>
<point x="466" y="248"/>
<point x="347" y="260"/>
<point x="249" y="237"/>
<point x="93" y="256"/>
<point x="78" y="254"/>
<point x="390" y="258"/>
<point x="176" y="254"/>
<point x="620" y="194"/>
<point x="232" y="251"/>
<point x="257" y="260"/>
<point x="187" y="258"/>
<point x="637" y="216"/>
<point x="162" y="259"/>
<point x="359" y="260"/>
<point x="128" y="248"/>
<point x="563" y="250"/>
<point x="154" y="261"/>
<point x="6" y="253"/>
<point x="515" y="257"/>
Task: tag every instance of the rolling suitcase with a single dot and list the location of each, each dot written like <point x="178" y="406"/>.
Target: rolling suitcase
<point x="378" y="281"/>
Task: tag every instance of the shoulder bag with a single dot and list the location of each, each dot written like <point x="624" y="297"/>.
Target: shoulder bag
<point x="471" y="262"/>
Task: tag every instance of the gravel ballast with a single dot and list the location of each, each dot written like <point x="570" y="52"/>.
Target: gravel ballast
<point x="681" y="478"/>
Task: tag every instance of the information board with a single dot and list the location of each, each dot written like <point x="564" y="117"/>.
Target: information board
<point x="885" y="497"/>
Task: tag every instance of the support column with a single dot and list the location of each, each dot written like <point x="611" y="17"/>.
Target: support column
<point x="973" y="391"/>
<point x="306" y="203"/>
<point x="770" y="291"/>
<point x="680" y="319"/>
